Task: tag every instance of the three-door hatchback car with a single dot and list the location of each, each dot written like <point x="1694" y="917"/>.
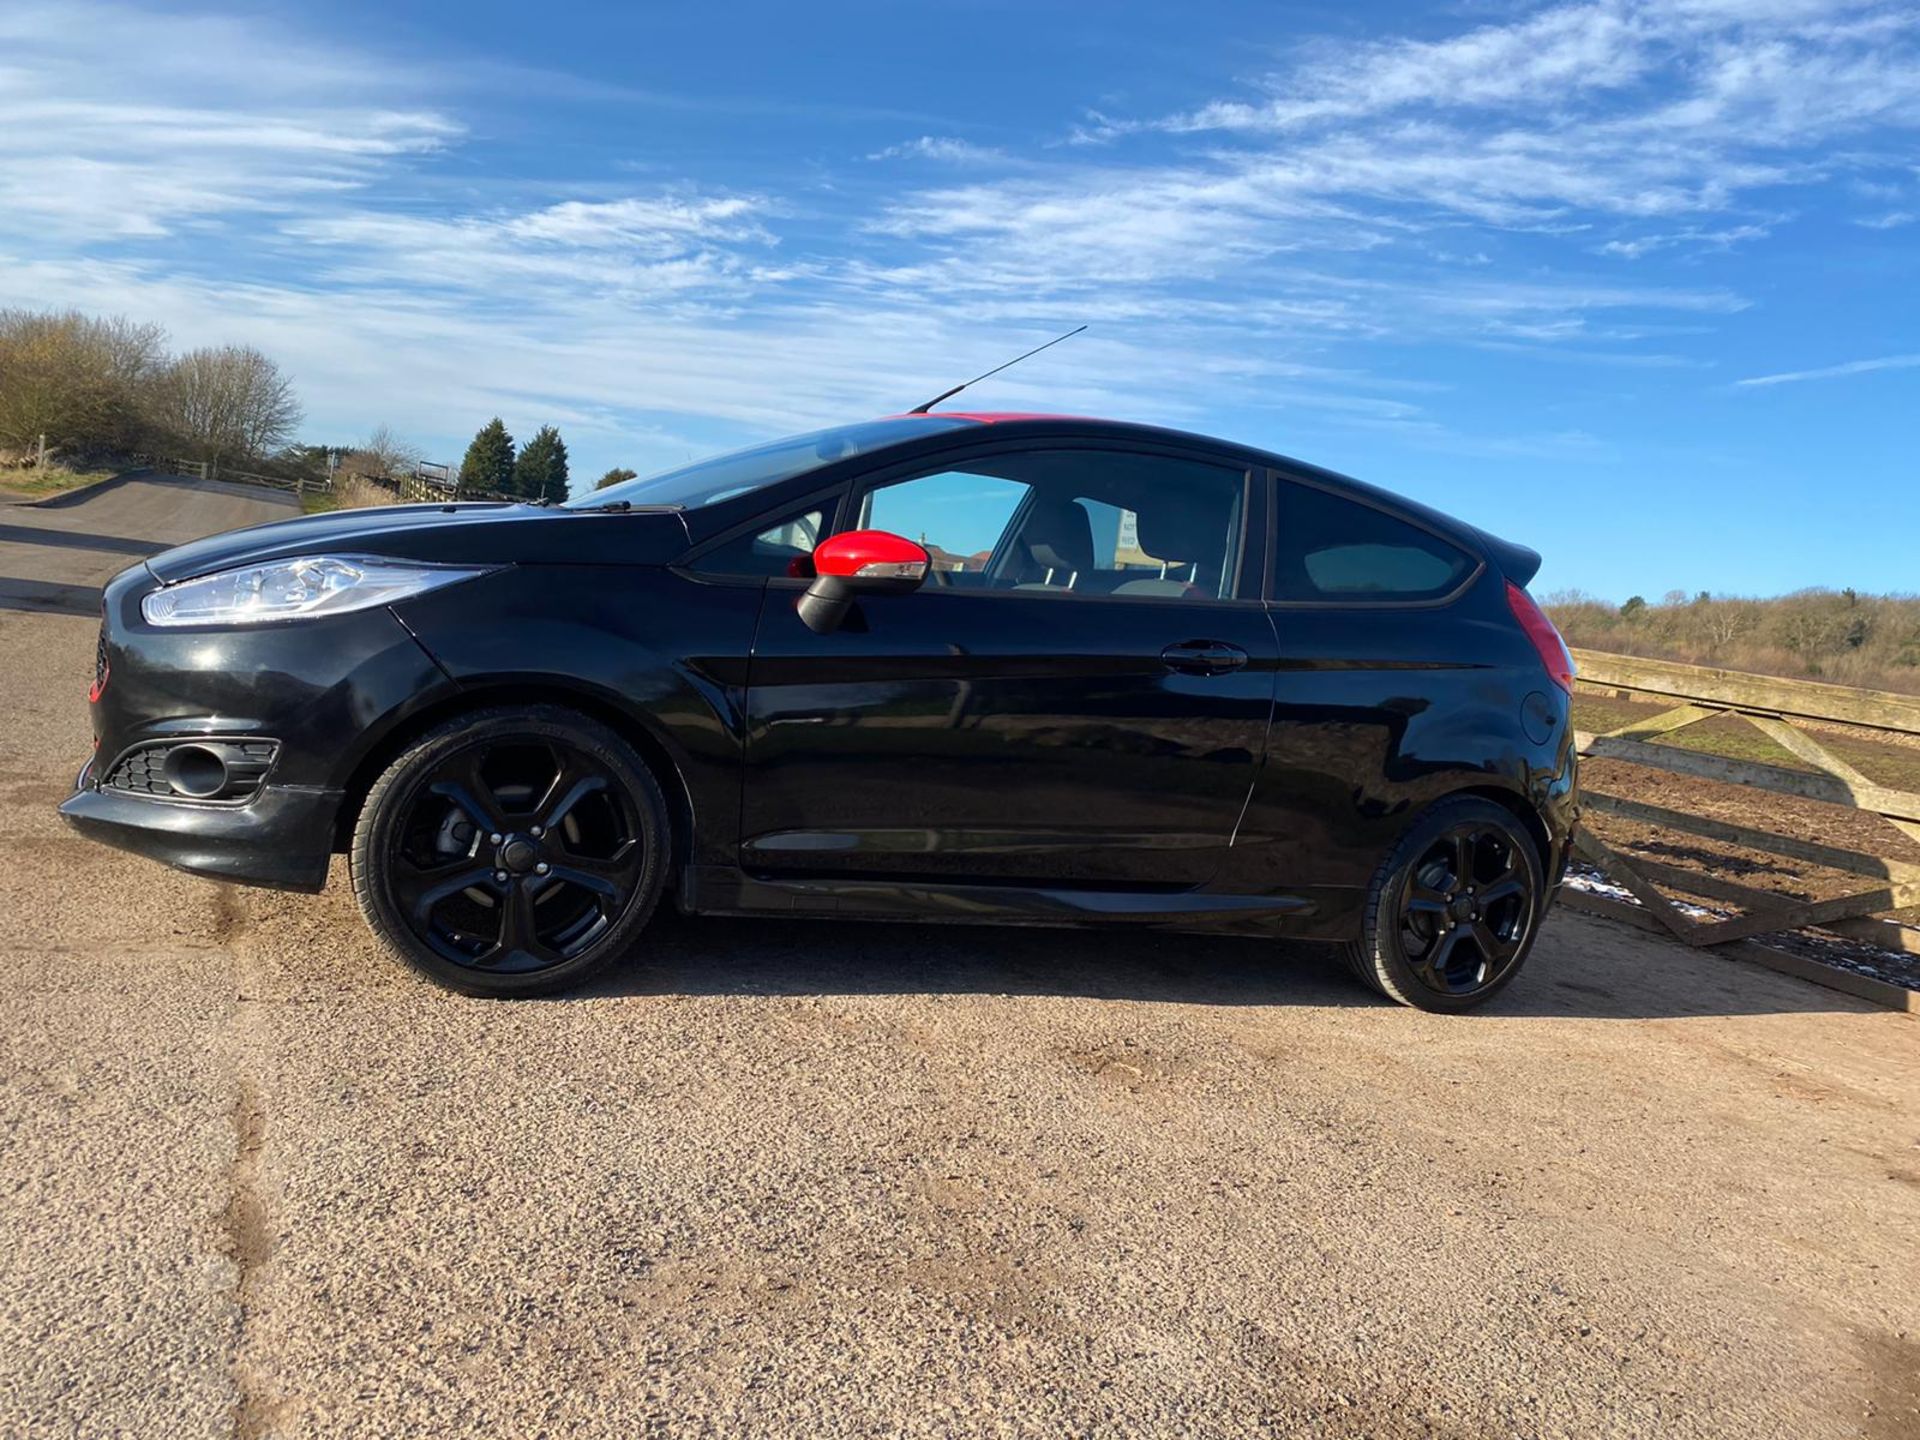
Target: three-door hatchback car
<point x="1026" y="669"/>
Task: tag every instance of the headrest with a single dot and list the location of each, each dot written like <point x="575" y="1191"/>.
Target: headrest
<point x="1058" y="535"/>
<point x="1182" y="534"/>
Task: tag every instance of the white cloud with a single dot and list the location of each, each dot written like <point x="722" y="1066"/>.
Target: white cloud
<point x="1263" y="250"/>
<point x="131" y="124"/>
<point x="1834" y="372"/>
<point x="1617" y="107"/>
<point x="1554" y="53"/>
<point x="1692" y="238"/>
<point x="944" y="148"/>
<point x="636" y="246"/>
<point x="1892" y="220"/>
<point x="1790" y="71"/>
<point x="1658" y="125"/>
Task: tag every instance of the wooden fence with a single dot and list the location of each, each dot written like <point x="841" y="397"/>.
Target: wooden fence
<point x="427" y="483"/>
<point x="298" y="485"/>
<point x="213" y="470"/>
<point x="1780" y="710"/>
<point x="173" y="465"/>
<point x="425" y="487"/>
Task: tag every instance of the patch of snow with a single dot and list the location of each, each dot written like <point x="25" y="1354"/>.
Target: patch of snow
<point x="1834" y="950"/>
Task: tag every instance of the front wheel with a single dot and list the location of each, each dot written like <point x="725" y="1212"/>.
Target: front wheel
<point x="512" y="851"/>
<point x="1453" y="911"/>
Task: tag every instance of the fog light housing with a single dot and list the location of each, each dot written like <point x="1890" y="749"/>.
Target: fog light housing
<point x="197" y="771"/>
<point x="213" y="770"/>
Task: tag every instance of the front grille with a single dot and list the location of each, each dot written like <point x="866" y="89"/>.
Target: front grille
<point x="143" y="770"/>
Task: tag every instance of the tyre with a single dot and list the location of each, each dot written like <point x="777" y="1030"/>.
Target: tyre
<point x="512" y="851"/>
<point x="1453" y="910"/>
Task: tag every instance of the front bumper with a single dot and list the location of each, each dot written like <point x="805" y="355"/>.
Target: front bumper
<point x="282" y="838"/>
<point x="323" y="693"/>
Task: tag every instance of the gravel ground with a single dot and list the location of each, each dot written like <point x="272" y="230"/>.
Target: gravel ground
<point x="776" y="1179"/>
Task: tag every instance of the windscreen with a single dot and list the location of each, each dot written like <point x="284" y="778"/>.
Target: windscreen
<point x="722" y="477"/>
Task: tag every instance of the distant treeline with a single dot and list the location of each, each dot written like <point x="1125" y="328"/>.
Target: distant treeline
<point x="79" y="386"/>
<point x="1839" y="636"/>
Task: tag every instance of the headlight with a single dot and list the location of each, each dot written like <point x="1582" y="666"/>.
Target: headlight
<point x="294" y="589"/>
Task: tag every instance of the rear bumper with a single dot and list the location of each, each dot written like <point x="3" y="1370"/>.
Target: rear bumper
<point x="283" y="838"/>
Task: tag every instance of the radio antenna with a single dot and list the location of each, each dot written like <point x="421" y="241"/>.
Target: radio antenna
<point x="949" y="394"/>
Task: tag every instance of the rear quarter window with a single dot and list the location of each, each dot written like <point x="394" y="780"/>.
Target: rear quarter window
<point x="1331" y="549"/>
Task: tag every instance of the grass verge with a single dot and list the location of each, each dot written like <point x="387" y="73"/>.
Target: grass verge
<point x="50" y="481"/>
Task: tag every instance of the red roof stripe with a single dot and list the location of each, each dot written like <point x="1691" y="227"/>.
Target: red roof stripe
<point x="988" y="417"/>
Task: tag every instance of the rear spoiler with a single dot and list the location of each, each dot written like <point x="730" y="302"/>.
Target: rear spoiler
<point x="1517" y="563"/>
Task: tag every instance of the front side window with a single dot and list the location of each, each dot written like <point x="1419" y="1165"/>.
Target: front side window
<point x="957" y="516"/>
<point x="1074" y="523"/>
<point x="1334" y="549"/>
<point x="783" y="548"/>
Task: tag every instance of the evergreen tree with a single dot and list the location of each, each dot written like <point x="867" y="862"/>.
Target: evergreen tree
<point x="489" y="463"/>
<point x="541" y="472"/>
<point x="615" y="476"/>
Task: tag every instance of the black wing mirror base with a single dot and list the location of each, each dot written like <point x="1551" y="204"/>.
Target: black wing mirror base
<point x="825" y="603"/>
<point x="823" y="607"/>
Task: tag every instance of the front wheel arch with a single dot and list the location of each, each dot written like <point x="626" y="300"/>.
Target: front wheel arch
<point x="651" y="749"/>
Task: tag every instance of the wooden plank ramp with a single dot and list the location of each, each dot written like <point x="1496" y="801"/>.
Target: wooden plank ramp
<point x="1771" y="706"/>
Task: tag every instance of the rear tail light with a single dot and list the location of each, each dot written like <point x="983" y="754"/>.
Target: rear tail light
<point x="1546" y="639"/>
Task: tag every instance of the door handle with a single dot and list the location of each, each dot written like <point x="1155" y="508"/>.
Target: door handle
<point x="1203" y="657"/>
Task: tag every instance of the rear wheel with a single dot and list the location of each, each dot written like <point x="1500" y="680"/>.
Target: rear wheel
<point x="512" y="852"/>
<point x="1452" y="912"/>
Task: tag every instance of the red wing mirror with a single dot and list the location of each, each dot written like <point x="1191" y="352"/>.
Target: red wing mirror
<point x="872" y="555"/>
<point x="859" y="562"/>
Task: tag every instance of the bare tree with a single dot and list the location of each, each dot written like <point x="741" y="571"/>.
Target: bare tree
<point x="133" y="356"/>
<point x="1810" y="626"/>
<point x="1727" y="620"/>
<point x="228" y="402"/>
<point x="393" y="455"/>
<point x="1846" y="636"/>
<point x="83" y="383"/>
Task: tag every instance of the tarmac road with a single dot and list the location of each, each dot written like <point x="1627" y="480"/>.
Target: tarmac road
<point x="55" y="555"/>
<point x="827" y="1180"/>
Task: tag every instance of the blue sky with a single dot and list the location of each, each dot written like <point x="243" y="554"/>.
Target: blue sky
<point x="1635" y="283"/>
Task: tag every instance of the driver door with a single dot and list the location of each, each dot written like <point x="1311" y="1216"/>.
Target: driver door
<point x="1078" y="696"/>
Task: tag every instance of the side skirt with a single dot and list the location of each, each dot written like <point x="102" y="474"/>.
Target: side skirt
<point x="724" y="890"/>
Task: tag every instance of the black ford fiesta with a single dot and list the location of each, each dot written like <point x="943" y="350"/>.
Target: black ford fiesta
<point x="977" y="667"/>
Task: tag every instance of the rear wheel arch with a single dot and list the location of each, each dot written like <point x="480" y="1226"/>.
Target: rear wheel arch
<point x="647" y="744"/>
<point x="1522" y="809"/>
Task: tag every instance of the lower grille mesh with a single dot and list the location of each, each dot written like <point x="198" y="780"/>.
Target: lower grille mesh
<point x="143" y="771"/>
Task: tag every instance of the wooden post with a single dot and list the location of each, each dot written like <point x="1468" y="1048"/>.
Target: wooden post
<point x="40" y="462"/>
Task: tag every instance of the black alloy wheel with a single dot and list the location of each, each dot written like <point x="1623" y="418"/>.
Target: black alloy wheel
<point x="1453" y="911"/>
<point x="512" y="852"/>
